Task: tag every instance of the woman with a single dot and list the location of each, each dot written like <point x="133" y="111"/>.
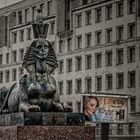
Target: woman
<point x="90" y="105"/>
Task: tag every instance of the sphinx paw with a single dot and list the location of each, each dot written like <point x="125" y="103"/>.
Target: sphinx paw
<point x="33" y="108"/>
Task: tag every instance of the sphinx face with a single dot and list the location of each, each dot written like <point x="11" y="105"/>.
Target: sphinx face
<point x="42" y="49"/>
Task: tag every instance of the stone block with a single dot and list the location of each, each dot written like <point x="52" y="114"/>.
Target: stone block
<point x="75" y="119"/>
<point x="54" y="118"/>
<point x="47" y="133"/>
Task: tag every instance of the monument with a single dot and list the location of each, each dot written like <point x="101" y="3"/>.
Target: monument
<point x="30" y="109"/>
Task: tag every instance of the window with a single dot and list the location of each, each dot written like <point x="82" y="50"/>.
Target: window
<point x="14" y="37"/>
<point x="20" y="17"/>
<point x="14" y="56"/>
<point x="69" y="65"/>
<point x="34" y="9"/>
<point x="21" y="54"/>
<point x="88" y="40"/>
<point x="7" y="76"/>
<point x="131" y="128"/>
<point x="98" y="83"/>
<point x="108" y="35"/>
<point x="42" y="7"/>
<point x="109" y="82"/>
<point x="119" y="80"/>
<point x="27" y="15"/>
<point x="131" y="6"/>
<point x="49" y="7"/>
<point x="120" y="9"/>
<point x="119" y="33"/>
<point x="78" y="107"/>
<point x="1" y="76"/>
<point x="131" y="54"/>
<point x="21" y="71"/>
<point x="1" y="56"/>
<point x="69" y="86"/>
<point x="60" y="87"/>
<point x="98" y="60"/>
<point x="108" y="12"/>
<point x="98" y="15"/>
<point x="7" y="58"/>
<point x="69" y="49"/>
<point x="131" y="30"/>
<point x="61" y="46"/>
<point x="78" y="64"/>
<point x="78" y="20"/>
<point x="88" y="60"/>
<point x="88" y="82"/>
<point x="52" y="27"/>
<point x="78" y="85"/>
<point x="131" y="79"/>
<point x="28" y="34"/>
<point x="60" y="66"/>
<point x="88" y="18"/>
<point x="14" y="74"/>
<point x="79" y="42"/>
<point x="21" y="35"/>
<point x="109" y="58"/>
<point x="119" y="129"/>
<point x="119" y="55"/>
<point x="132" y="104"/>
<point x="98" y="37"/>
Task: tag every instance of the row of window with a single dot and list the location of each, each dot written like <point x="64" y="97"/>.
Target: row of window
<point x="28" y="33"/>
<point x="109" y="10"/>
<point x="120" y="129"/>
<point x="98" y="37"/>
<point x="28" y="13"/>
<point x="13" y="56"/>
<point x="131" y="83"/>
<point x="12" y="74"/>
<point x="131" y="57"/>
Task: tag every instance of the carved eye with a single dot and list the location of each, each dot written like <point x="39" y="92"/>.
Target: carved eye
<point x="39" y="47"/>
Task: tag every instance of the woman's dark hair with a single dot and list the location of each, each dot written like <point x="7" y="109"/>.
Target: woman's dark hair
<point x="88" y="98"/>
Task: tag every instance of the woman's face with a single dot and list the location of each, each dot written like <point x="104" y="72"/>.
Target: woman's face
<point x="90" y="107"/>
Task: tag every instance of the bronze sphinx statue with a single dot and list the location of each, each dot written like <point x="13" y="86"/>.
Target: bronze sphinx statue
<point x="36" y="90"/>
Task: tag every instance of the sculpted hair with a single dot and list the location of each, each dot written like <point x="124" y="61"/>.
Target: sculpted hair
<point x="29" y="57"/>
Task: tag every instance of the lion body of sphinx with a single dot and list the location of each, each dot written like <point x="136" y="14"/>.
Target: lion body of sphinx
<point x="29" y="96"/>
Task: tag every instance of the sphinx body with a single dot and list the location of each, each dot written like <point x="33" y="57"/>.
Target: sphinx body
<point x="36" y="90"/>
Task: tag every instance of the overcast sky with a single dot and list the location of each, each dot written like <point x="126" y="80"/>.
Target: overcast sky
<point x="4" y="3"/>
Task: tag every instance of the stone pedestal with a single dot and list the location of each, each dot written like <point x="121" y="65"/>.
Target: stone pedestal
<point x="47" y="133"/>
<point x="45" y="126"/>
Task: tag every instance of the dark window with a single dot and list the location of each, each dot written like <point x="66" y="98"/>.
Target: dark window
<point x="98" y="83"/>
<point x="20" y="17"/>
<point x="132" y="104"/>
<point x="69" y="86"/>
<point x="78" y="64"/>
<point x="120" y="33"/>
<point x="79" y="42"/>
<point x="108" y="12"/>
<point x="88" y="84"/>
<point x="7" y="58"/>
<point x="69" y="65"/>
<point x="28" y="34"/>
<point x="88" y="40"/>
<point x="27" y="15"/>
<point x="1" y="77"/>
<point x="60" y="66"/>
<point x="61" y="46"/>
<point x="131" y="128"/>
<point x="88" y="61"/>
<point x="109" y="35"/>
<point x="119" y="129"/>
<point x="98" y="37"/>
<point x="109" y="58"/>
<point x="131" y="54"/>
<point x="109" y="82"/>
<point x="131" y="79"/>
<point x="119" y="56"/>
<point x="78" y="85"/>
<point x="88" y="18"/>
<point x="49" y="8"/>
<point x="98" y="60"/>
<point x="69" y="44"/>
<point x="131" y="30"/>
<point x="98" y="15"/>
<point x="14" y="74"/>
<point x="60" y="87"/>
<point x="119" y="9"/>
<point x="78" y="20"/>
<point x="1" y="59"/>
<point x="120" y="80"/>
<point x="7" y="76"/>
<point x="131" y="6"/>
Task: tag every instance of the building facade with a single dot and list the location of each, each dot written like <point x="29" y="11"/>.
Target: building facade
<point x="97" y="43"/>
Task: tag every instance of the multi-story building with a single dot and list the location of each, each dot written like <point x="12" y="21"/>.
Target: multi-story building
<point x="98" y="47"/>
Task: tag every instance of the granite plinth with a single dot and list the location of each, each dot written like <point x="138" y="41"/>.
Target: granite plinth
<point x="41" y="118"/>
<point x="47" y="133"/>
